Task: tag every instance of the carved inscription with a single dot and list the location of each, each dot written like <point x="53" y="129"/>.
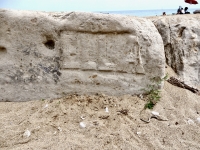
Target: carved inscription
<point x="101" y="52"/>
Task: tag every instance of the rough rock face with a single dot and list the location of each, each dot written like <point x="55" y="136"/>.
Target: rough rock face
<point x="181" y="38"/>
<point x="48" y="55"/>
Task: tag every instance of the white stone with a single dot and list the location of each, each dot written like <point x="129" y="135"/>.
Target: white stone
<point x="59" y="52"/>
<point x="27" y="133"/>
<point x="106" y="110"/>
<point x="82" y="125"/>
<point x="190" y="121"/>
<point x="155" y="113"/>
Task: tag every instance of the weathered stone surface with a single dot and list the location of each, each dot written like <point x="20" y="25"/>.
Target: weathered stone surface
<point x="181" y="38"/>
<point x="48" y="55"/>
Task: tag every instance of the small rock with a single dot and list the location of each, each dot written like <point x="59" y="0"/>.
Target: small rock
<point x="190" y="121"/>
<point x="106" y="110"/>
<point x="82" y="117"/>
<point x="27" y="133"/>
<point x="59" y="128"/>
<point x="82" y="125"/>
<point x="138" y="133"/>
<point x="141" y="96"/>
<point x="46" y="106"/>
<point x="155" y="113"/>
<point x="145" y="116"/>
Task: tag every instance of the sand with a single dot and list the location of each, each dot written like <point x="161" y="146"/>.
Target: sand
<point x="107" y="122"/>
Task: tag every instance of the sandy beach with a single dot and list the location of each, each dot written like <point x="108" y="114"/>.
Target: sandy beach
<point x="103" y="122"/>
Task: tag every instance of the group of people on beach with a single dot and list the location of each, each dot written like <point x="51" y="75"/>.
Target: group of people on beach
<point x="182" y="11"/>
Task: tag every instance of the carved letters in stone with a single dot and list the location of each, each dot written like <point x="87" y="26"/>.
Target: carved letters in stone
<point x="105" y="52"/>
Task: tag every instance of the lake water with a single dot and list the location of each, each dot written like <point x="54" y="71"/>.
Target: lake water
<point x="144" y="13"/>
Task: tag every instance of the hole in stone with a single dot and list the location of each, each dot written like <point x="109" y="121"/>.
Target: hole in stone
<point x="50" y="44"/>
<point x="2" y="49"/>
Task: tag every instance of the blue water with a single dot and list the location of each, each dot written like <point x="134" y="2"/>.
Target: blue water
<point x="145" y="13"/>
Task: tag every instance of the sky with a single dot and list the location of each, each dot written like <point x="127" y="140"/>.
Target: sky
<point x="94" y="5"/>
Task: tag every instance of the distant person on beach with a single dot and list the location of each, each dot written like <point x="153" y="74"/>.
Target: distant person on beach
<point x="186" y="10"/>
<point x="180" y="10"/>
<point x="164" y="14"/>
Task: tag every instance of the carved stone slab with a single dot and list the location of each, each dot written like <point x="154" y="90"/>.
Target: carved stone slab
<point x="49" y="55"/>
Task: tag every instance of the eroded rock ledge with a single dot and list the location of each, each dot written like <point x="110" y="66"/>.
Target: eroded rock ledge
<point x="48" y="55"/>
<point x="181" y="38"/>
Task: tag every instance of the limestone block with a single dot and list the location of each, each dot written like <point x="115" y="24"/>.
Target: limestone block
<point x="49" y="55"/>
<point x="181" y="38"/>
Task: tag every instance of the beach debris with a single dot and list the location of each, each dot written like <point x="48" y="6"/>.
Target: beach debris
<point x="27" y="133"/>
<point x="123" y="111"/>
<point x="82" y="125"/>
<point x="59" y="128"/>
<point x="141" y="96"/>
<point x="190" y="121"/>
<point x="138" y="133"/>
<point x="155" y="113"/>
<point x="95" y="108"/>
<point x="95" y="123"/>
<point x="104" y="116"/>
<point x="106" y="110"/>
<point x="181" y="84"/>
<point x="159" y="117"/>
<point x="46" y="106"/>
<point x="198" y="119"/>
<point x="146" y="115"/>
<point x="82" y="117"/>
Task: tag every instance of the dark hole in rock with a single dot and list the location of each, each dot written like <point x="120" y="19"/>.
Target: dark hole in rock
<point x="2" y="49"/>
<point x="50" y="44"/>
